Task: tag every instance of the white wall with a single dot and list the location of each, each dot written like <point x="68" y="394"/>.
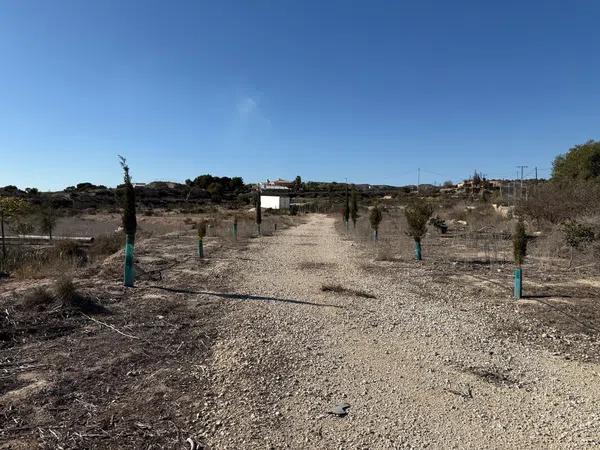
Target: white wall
<point x="274" y="202"/>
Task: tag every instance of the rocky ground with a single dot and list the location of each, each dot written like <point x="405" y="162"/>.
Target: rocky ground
<point x="422" y="363"/>
<point x="297" y="340"/>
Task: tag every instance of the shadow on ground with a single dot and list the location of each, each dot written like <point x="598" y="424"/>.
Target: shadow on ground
<point x="238" y="296"/>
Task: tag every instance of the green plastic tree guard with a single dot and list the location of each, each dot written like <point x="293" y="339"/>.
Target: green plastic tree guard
<point x="518" y="283"/>
<point x="200" y="248"/>
<point x="376" y="235"/>
<point x="235" y="225"/>
<point x="129" y="277"/>
<point x="418" y="250"/>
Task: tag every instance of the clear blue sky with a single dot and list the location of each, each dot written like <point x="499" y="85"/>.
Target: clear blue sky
<point x="369" y="90"/>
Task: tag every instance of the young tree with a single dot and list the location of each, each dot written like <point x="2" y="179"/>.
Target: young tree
<point x="331" y="196"/>
<point x="9" y="207"/>
<point x="519" y="251"/>
<point x="354" y="206"/>
<point x="375" y="219"/>
<point x="346" y="211"/>
<point x="47" y="220"/>
<point x="201" y="234"/>
<point x="129" y="223"/>
<point x="258" y="210"/>
<point x="577" y="235"/>
<point x="235" y="227"/>
<point x="417" y="215"/>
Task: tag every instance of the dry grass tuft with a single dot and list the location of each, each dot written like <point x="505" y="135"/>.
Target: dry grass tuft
<point x="339" y="289"/>
<point x="106" y="245"/>
<point x="70" y="251"/>
<point x="38" y="299"/>
<point x="386" y="253"/>
<point x="64" y="290"/>
<point x="313" y="265"/>
<point x="67" y="294"/>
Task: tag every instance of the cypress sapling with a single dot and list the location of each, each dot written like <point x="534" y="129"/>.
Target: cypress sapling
<point x="235" y="227"/>
<point x="346" y="211"/>
<point x="354" y="207"/>
<point x="375" y="219"/>
<point x="258" y="211"/>
<point x="519" y="252"/>
<point x="201" y="235"/>
<point x="129" y="223"/>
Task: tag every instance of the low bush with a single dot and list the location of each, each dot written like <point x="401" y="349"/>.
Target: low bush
<point x="556" y="202"/>
<point x="578" y="235"/>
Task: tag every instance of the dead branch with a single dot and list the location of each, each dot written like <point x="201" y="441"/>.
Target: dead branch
<point x="111" y="327"/>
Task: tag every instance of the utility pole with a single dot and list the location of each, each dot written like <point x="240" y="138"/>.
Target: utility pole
<point x="536" y="174"/>
<point x="521" y="190"/>
<point x="418" y="179"/>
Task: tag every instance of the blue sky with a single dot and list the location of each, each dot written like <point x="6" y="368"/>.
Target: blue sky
<point x="368" y="90"/>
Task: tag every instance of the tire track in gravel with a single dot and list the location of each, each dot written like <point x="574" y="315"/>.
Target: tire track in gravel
<point x="417" y="369"/>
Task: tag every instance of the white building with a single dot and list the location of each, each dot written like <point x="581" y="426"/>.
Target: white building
<point x="274" y="201"/>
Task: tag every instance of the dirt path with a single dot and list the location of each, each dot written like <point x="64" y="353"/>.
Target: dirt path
<point x="244" y="350"/>
<point x="421" y="365"/>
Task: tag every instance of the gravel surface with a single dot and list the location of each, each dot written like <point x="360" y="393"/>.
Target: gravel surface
<point x="421" y="365"/>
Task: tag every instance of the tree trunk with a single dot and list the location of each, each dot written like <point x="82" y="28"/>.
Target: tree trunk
<point x="200" y="248"/>
<point x="418" y="250"/>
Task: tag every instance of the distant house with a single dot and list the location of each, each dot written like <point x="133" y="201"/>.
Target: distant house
<point x="274" y="200"/>
<point x="280" y="182"/>
<point x="275" y="194"/>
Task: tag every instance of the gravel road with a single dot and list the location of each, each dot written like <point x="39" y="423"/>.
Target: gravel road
<point x="422" y="365"/>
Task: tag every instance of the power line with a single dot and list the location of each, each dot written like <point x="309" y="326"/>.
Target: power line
<point x="521" y="190"/>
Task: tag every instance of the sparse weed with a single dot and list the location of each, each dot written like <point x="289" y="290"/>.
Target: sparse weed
<point x="339" y="289"/>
